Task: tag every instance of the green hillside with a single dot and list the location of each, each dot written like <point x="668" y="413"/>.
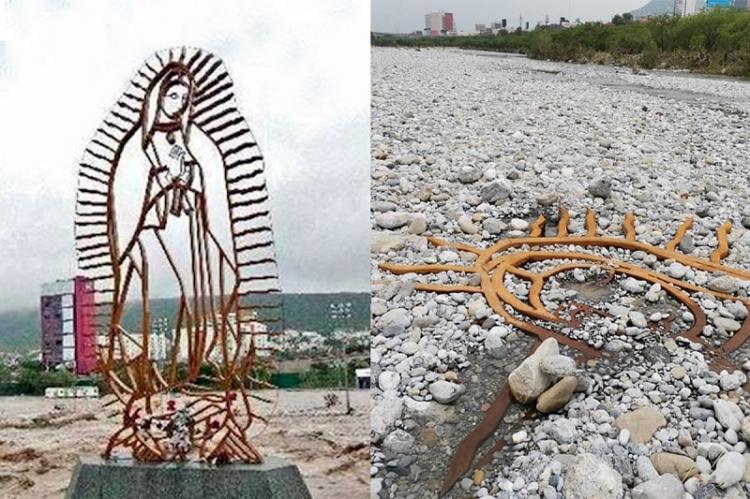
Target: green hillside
<point x="19" y="329"/>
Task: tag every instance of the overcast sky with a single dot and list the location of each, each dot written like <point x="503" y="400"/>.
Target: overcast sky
<point x="400" y="16"/>
<point x="304" y="93"/>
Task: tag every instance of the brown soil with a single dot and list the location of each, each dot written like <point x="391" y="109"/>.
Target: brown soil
<point x="41" y="439"/>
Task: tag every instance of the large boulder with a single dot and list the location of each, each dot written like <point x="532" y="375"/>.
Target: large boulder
<point x="556" y="397"/>
<point x="589" y="477"/>
<point x="527" y="381"/>
<point x="641" y="423"/>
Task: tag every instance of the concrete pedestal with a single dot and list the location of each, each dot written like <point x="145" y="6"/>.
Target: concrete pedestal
<point x="96" y="478"/>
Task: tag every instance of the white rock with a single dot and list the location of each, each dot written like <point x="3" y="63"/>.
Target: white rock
<point x="493" y="340"/>
<point x="383" y="242"/>
<point x="519" y="224"/>
<point x="667" y="486"/>
<point x="729" y="470"/>
<point x="729" y="382"/>
<point x="558" y="366"/>
<point x="385" y="413"/>
<point x="466" y="225"/>
<point x="527" y="381"/>
<point x="677" y="270"/>
<point x="637" y="319"/>
<point x="394" y="322"/>
<point x="446" y="392"/>
<point x="448" y="256"/>
<point x="392" y="220"/>
<point x="745" y="429"/>
<point x="728" y="414"/>
<point x="632" y="285"/>
<point x="723" y="284"/>
<point x="589" y="477"/>
<point x="563" y="431"/>
<point x="729" y="325"/>
<point x="388" y="380"/>
<point x="624" y="437"/>
<point x="520" y="436"/>
<point x="478" y="310"/>
<point x="645" y="467"/>
<point x="409" y="348"/>
<point x="398" y="442"/>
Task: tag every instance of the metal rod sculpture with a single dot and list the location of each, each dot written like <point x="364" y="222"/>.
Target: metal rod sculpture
<point x="508" y="258"/>
<point x="225" y="289"/>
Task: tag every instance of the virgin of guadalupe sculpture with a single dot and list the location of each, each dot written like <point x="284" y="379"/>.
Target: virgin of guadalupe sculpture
<point x="229" y="296"/>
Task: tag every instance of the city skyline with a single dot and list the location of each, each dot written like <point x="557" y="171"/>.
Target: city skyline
<point x="391" y="16"/>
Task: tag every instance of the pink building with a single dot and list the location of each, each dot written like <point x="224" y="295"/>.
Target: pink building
<point x="439" y="23"/>
<point x="448" y="22"/>
<point x="67" y="316"/>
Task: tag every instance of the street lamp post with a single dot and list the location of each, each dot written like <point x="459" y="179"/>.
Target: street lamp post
<point x="337" y="312"/>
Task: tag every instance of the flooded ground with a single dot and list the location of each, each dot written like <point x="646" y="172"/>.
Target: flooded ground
<point x="41" y="439"/>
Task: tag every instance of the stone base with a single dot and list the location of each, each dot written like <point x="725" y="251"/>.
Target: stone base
<point x="96" y="478"/>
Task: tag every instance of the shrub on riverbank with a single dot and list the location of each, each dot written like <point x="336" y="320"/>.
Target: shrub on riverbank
<point x="713" y="42"/>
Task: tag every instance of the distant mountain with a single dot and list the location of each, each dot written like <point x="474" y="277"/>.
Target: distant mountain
<point x="660" y="7"/>
<point x="19" y="329"/>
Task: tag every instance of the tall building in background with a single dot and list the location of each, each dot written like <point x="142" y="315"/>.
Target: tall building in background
<point x="439" y="23"/>
<point x="448" y="23"/>
<point x="685" y="7"/>
<point x="432" y="24"/>
<point x="67" y="329"/>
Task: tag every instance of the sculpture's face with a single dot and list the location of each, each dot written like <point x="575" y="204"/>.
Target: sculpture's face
<point x="175" y="99"/>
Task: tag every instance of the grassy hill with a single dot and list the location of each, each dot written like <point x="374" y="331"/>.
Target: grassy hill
<point x="19" y="329"/>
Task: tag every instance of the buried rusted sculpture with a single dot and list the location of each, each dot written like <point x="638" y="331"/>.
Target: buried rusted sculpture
<point x="507" y="258"/>
<point x="229" y="297"/>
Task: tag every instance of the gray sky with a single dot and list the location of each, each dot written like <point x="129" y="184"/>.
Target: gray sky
<point x="400" y="16"/>
<point x="305" y="95"/>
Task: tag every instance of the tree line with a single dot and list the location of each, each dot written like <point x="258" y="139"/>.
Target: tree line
<point x="716" y="42"/>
